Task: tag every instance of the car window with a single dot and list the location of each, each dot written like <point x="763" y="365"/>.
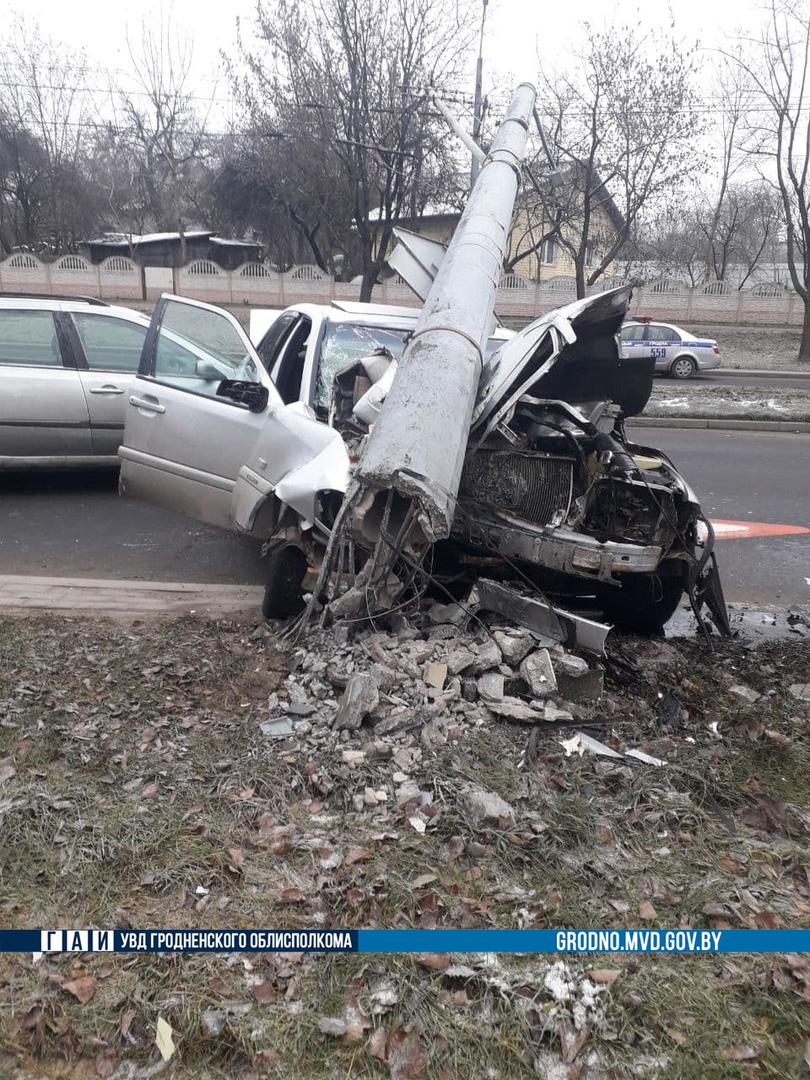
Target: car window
<point x="272" y="342"/>
<point x="660" y="333"/>
<point x="110" y="344"/>
<point x="634" y="333"/>
<point x="345" y="343"/>
<point x="196" y="349"/>
<point x="289" y="370"/>
<point x="29" y="337"/>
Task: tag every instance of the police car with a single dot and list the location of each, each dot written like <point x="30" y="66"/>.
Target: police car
<point x="676" y="352"/>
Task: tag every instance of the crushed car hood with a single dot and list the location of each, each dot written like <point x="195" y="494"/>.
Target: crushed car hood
<point x="570" y="354"/>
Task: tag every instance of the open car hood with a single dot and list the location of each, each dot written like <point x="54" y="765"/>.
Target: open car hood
<point x="570" y="354"/>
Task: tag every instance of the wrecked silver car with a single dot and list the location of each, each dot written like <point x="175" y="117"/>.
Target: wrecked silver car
<point x="553" y="494"/>
<point x="438" y="466"/>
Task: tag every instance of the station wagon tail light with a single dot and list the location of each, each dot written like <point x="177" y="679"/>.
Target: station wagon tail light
<point x="716" y="348"/>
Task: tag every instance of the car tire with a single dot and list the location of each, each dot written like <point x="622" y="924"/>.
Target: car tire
<point x="683" y="368"/>
<point x="642" y="605"/>
<point x="284" y="592"/>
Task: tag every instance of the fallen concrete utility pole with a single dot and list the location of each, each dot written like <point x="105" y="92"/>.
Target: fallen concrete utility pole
<point x="417" y="447"/>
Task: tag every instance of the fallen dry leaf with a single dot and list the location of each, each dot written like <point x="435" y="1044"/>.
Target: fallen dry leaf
<point x="604" y="976"/>
<point x="358" y="854"/>
<point x="291" y="896"/>
<point x="571" y="1041"/>
<point x="766" y="920"/>
<point x="236" y="855"/>
<point x="647" y="912"/>
<point x="424" y="879"/>
<point x="82" y="988"/>
<point x="406" y="1054"/>
<point x="377" y="1040"/>
<point x="264" y="993"/>
<point x="742" y="1053"/>
<point x="436" y="961"/>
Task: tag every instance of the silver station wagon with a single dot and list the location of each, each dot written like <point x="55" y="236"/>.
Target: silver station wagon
<point x="66" y="368"/>
<point x="676" y="352"/>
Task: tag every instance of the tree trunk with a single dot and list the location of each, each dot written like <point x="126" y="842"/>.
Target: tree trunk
<point x="367" y="284"/>
<point x="579" y="271"/>
<point x="804" y="348"/>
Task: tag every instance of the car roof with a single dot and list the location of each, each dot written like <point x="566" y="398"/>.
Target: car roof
<point x="655" y="322"/>
<point x="42" y="302"/>
<point x="383" y="315"/>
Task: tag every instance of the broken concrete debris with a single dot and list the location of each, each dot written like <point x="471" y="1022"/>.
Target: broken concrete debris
<point x="536" y="669"/>
<point x="487" y="808"/>
<point x="360" y="697"/>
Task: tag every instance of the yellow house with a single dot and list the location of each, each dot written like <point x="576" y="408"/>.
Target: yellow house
<point x="531" y="251"/>
<point x="536" y="253"/>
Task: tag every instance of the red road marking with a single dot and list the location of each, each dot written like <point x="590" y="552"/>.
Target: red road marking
<point x="739" y="530"/>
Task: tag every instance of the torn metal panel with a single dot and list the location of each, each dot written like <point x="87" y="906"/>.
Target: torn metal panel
<point x="416" y="259"/>
<point x="540" y="616"/>
<point x="418" y="445"/>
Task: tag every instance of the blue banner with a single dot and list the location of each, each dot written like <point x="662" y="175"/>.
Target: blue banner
<point x="407" y="941"/>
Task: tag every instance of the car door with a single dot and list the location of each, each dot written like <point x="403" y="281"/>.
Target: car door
<point x="109" y="353"/>
<point x="206" y="431"/>
<point x="631" y="338"/>
<point x="661" y="339"/>
<point x="43" y="414"/>
<point x="184" y="442"/>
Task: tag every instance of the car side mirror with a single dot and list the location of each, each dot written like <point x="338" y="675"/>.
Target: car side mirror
<point x="254" y="395"/>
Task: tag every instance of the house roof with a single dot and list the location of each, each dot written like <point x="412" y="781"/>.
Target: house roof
<point x="125" y="240"/>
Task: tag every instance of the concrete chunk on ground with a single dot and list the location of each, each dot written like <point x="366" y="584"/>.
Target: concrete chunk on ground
<point x="490" y="686"/>
<point x="487" y="656"/>
<point x="514" y="645"/>
<point x="487" y="808"/>
<point x="538" y="672"/>
<point x="360" y="697"/>
<point x="514" y="708"/>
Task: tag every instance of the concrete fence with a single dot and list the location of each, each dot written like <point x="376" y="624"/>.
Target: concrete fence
<point x="118" y="278"/>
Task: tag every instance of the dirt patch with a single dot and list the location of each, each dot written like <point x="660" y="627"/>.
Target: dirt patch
<point x="138" y="788"/>
<point x="755" y="347"/>
<point x="698" y="401"/>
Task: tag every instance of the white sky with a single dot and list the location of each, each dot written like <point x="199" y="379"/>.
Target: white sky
<point x="517" y="31"/>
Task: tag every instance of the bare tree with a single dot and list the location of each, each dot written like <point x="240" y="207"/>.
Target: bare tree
<point x="47" y="118"/>
<point x="158" y="134"/>
<point x="335" y="93"/>
<point x="622" y="121"/>
<point x="777" y="62"/>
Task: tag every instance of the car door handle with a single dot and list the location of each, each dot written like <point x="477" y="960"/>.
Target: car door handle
<point x="143" y="403"/>
<point x="107" y="390"/>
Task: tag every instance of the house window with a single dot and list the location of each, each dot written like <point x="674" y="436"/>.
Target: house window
<point x="589" y="252"/>
<point x="548" y="252"/>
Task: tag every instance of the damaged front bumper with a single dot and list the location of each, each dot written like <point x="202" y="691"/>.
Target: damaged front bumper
<point x="558" y="549"/>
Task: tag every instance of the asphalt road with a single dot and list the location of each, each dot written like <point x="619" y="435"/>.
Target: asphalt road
<point x="75" y="525"/>
<point x="757" y="476"/>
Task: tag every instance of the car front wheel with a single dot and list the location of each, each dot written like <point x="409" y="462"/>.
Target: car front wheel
<point x="284" y="593"/>
<point x="642" y="605"/>
<point x="683" y="368"/>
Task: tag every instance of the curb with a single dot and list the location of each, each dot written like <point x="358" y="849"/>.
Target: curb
<point x="760" y="373"/>
<point x="797" y="427"/>
<point x="107" y="596"/>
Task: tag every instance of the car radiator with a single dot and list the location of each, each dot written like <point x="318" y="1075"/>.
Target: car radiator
<point x="532" y="487"/>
